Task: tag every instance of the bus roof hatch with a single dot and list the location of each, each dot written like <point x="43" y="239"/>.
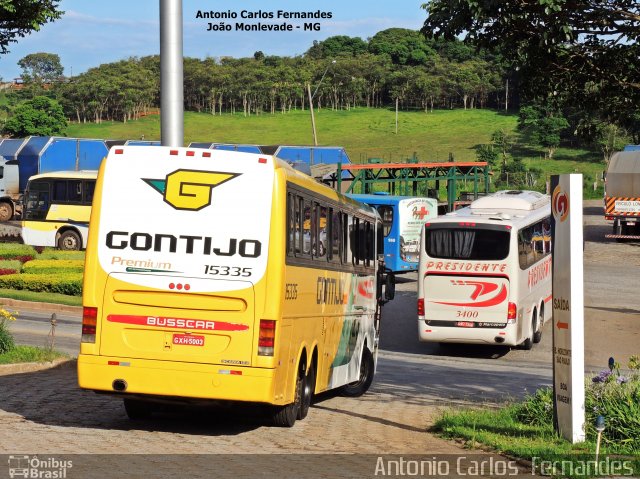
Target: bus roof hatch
<point x="512" y="200"/>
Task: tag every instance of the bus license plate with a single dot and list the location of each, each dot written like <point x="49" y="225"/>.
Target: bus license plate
<point x="188" y="340"/>
<point x="464" y="324"/>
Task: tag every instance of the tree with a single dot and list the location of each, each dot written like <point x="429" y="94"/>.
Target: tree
<point x="610" y="138"/>
<point x="18" y="18"/>
<point x="486" y="153"/>
<point x="339" y="45"/>
<point x="578" y="52"/>
<point x="41" y="116"/>
<point x="41" y="68"/>
<point x="504" y="142"/>
<point x="544" y="125"/>
<point x="547" y="132"/>
<point x="403" y="46"/>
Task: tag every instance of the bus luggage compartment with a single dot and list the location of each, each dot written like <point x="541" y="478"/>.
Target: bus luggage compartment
<point x="466" y="301"/>
<point x="184" y="325"/>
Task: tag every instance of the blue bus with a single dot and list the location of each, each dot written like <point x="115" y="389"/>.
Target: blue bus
<point x="402" y="220"/>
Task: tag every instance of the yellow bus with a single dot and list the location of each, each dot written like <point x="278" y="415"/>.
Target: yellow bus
<point x="204" y="280"/>
<point x="57" y="207"/>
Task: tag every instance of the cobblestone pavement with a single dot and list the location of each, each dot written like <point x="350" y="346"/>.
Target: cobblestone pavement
<point x="45" y="413"/>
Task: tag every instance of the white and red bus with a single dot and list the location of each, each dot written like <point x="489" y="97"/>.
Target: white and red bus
<point x="485" y="272"/>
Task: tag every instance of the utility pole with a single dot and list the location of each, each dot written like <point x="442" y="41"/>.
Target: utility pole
<point x="313" y="118"/>
<point x="396" y="115"/>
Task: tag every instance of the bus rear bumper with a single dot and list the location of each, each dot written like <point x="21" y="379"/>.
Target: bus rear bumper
<point x="445" y="334"/>
<point x="178" y="380"/>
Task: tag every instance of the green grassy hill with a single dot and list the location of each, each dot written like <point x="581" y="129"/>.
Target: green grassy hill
<point x="363" y="132"/>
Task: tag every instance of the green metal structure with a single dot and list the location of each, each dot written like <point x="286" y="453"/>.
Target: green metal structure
<point x="406" y="179"/>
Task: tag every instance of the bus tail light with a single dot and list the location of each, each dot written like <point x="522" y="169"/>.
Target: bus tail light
<point x="420" y="306"/>
<point x="512" y="313"/>
<point x="89" y="322"/>
<point x="267" y="337"/>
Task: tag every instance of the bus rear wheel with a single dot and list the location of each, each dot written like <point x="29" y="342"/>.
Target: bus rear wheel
<point x="367" y="370"/>
<point x="528" y="343"/>
<point x="285" y="416"/>
<point x="70" y="241"/>
<point x="537" y="335"/>
<point x="307" y="393"/>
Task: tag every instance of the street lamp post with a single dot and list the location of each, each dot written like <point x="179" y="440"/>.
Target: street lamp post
<point x="313" y="118"/>
<point x="171" y="74"/>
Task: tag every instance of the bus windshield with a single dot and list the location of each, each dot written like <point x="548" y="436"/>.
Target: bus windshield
<point x="467" y="243"/>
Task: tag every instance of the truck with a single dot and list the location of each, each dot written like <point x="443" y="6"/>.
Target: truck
<point x="22" y="158"/>
<point x="622" y="193"/>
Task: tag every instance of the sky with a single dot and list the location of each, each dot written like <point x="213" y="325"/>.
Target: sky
<point x="93" y="32"/>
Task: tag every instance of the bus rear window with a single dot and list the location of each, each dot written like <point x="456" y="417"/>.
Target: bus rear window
<point x="467" y="243"/>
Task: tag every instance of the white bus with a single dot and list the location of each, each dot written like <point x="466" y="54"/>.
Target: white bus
<point x="485" y="272"/>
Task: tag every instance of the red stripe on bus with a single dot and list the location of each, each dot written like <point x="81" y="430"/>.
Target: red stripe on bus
<point x="176" y="323"/>
<point x="499" y="298"/>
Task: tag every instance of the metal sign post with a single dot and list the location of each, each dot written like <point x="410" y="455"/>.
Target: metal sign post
<point x="568" y="306"/>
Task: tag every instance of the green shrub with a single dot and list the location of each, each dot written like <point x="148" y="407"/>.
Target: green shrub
<point x="612" y="394"/>
<point x="37" y="266"/>
<point x="536" y="409"/>
<point x="64" y="283"/>
<point x="616" y="396"/>
<point x="30" y="354"/>
<point x="6" y="338"/>
<point x="10" y="264"/>
<point x="50" y="253"/>
<point x="16" y="251"/>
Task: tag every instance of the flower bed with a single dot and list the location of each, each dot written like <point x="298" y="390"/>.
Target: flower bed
<point x="51" y="271"/>
<point x="52" y="266"/>
<point x="14" y="251"/>
<point x="62" y="282"/>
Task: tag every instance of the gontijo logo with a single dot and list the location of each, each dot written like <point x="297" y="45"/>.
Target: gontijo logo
<point x="559" y="204"/>
<point x="189" y="189"/>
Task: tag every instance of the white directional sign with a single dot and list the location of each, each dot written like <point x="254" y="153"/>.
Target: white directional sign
<point x="568" y="305"/>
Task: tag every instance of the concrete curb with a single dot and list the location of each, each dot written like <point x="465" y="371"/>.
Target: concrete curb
<point x="38" y="306"/>
<point x="18" y="368"/>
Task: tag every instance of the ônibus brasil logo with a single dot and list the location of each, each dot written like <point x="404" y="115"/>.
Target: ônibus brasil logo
<point x="189" y="189"/>
<point x="559" y="204"/>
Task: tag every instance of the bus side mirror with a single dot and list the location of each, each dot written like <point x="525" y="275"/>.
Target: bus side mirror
<point x="385" y="284"/>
